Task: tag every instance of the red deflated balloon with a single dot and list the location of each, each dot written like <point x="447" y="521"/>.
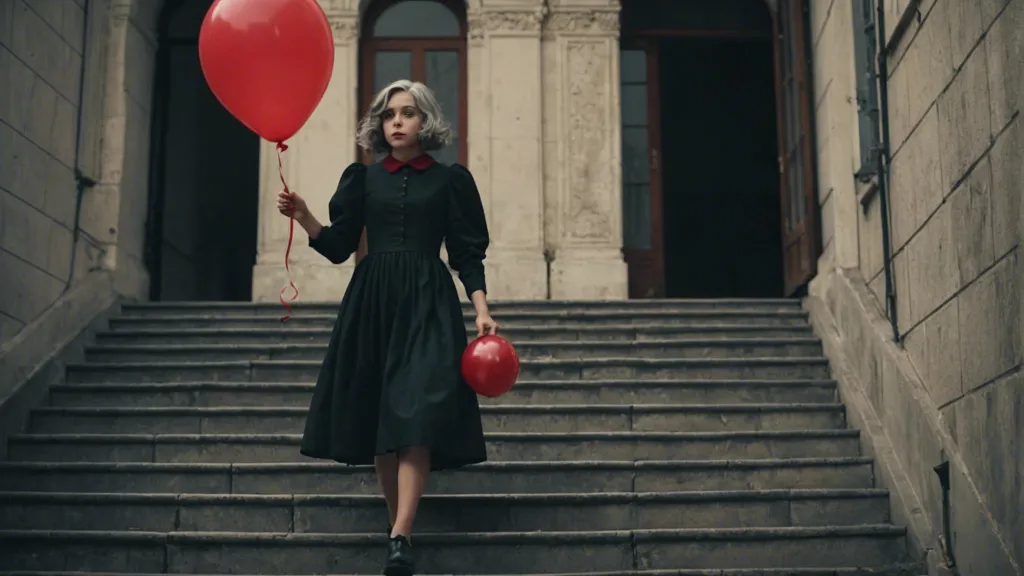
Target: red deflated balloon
<point x="267" y="61"/>
<point x="490" y="365"/>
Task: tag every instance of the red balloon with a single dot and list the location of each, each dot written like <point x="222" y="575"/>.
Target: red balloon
<point x="267" y="61"/>
<point x="490" y="365"/>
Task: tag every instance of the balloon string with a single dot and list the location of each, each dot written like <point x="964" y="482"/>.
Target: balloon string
<point x="281" y="147"/>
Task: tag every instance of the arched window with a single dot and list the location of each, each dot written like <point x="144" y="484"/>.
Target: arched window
<point x="425" y="41"/>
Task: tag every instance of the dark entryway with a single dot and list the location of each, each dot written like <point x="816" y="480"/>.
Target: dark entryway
<point x="720" y="177"/>
<point x="705" y="187"/>
<point x="204" y="181"/>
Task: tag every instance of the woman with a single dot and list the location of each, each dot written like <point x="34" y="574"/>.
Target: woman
<point x="390" y="389"/>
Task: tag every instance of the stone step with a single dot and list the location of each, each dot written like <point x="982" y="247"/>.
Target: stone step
<point x="501" y="447"/>
<point x="496" y="418"/>
<point x="591" y="392"/>
<point x="511" y="320"/>
<point x="896" y="569"/>
<point x="455" y="553"/>
<point x="319" y="477"/>
<point x="665" y="348"/>
<point x="274" y="309"/>
<point x="590" y="369"/>
<point x="342" y="514"/>
<point x="289" y="334"/>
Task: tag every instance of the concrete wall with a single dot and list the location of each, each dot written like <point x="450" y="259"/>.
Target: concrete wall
<point x="41" y="52"/>
<point x="75" y="93"/>
<point x="831" y="31"/>
<point x="957" y="178"/>
<point x="957" y="183"/>
<point x="114" y="212"/>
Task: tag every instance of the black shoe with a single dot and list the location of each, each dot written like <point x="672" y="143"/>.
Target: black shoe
<point x="399" y="561"/>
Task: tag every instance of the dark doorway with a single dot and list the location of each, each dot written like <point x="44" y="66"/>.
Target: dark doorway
<point x="722" y="231"/>
<point x="704" y="184"/>
<point x="204" y="181"/>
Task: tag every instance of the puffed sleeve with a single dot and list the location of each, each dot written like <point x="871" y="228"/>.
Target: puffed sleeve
<point x="467" y="238"/>
<point x="339" y="239"/>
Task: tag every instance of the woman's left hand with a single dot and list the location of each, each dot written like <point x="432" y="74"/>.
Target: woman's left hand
<point x="485" y="325"/>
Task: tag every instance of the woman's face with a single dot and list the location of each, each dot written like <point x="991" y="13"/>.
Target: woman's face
<point x="402" y="121"/>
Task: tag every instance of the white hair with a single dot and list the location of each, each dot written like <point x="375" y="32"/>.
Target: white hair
<point x="435" y="133"/>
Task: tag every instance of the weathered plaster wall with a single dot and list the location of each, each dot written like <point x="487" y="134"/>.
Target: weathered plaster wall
<point x="957" y="178"/>
<point x="835" y="116"/>
<point x="41" y="51"/>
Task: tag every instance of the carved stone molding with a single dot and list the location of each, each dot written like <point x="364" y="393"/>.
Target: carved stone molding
<point x="591" y="21"/>
<point x="589" y="189"/>
<point x="345" y="29"/>
<point x="339" y="6"/>
<point x="343" y="16"/>
<point x="483" y="22"/>
<point x="121" y="9"/>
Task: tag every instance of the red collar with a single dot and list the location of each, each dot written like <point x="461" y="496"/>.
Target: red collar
<point x="421" y="162"/>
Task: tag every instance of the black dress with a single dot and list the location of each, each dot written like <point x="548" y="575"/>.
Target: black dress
<point x="391" y="378"/>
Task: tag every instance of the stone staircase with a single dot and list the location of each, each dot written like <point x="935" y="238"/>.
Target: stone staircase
<point x="656" y="437"/>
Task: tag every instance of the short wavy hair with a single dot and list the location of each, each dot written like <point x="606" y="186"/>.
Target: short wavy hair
<point x="435" y="134"/>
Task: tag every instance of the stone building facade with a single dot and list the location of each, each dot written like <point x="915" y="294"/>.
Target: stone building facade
<point x="947" y="397"/>
<point x="921" y="318"/>
<point x="507" y="146"/>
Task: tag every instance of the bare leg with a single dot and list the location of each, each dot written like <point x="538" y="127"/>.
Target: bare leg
<point x="413" y="468"/>
<point x="387" y="476"/>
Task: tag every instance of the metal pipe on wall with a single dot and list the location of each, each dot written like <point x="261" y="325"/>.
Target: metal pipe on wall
<point x="882" y="160"/>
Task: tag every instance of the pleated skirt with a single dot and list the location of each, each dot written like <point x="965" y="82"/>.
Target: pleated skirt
<point x="391" y="378"/>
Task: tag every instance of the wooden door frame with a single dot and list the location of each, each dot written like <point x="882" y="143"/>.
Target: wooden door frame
<point x="653" y="258"/>
<point x="801" y="246"/>
<point x="804" y="241"/>
<point x="647" y="39"/>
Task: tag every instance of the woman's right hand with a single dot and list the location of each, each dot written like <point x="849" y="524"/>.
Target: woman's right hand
<point x="291" y="204"/>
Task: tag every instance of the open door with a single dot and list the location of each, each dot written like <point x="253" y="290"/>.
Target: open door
<point x="801" y="239"/>
<point x="642" y="222"/>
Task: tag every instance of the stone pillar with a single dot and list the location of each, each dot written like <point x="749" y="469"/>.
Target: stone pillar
<point x="583" y="180"/>
<point x="504" y="141"/>
<point x="113" y="216"/>
<point x="312" y="165"/>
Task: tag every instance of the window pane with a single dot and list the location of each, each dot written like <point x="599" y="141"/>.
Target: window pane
<point x="442" y="75"/>
<point x="636" y="189"/>
<point x="417" y="19"/>
<point x="632" y="66"/>
<point x="390" y="66"/>
<point x="634" y="105"/>
<point x="636" y="216"/>
<point x="799" y="191"/>
<point x="634" y="156"/>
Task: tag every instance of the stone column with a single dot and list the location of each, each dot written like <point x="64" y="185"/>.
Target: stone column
<point x="312" y="165"/>
<point x="583" y="180"/>
<point x="504" y="141"/>
<point x="113" y="216"/>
